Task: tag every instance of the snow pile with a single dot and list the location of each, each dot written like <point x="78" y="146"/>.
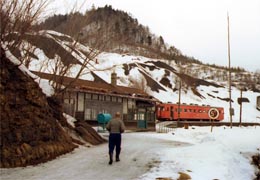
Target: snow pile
<point x="222" y="154"/>
<point x="71" y="120"/>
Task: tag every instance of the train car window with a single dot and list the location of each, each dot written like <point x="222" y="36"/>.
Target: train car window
<point x="185" y="110"/>
<point x="190" y="110"/>
<point x="200" y="110"/>
<point x="167" y="109"/>
<point x="194" y="110"/>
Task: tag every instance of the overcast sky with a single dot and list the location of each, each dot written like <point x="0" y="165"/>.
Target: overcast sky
<point x="197" y="27"/>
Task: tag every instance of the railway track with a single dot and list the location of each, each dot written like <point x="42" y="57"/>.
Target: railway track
<point x="208" y="123"/>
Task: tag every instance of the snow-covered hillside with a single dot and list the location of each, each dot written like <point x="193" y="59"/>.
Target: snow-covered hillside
<point x="144" y="70"/>
<point x="158" y="77"/>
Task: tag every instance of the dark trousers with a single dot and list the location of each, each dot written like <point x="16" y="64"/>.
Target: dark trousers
<point x="114" y="141"/>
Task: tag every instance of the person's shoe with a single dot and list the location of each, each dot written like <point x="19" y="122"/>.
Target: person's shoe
<point x="117" y="158"/>
<point x="110" y="159"/>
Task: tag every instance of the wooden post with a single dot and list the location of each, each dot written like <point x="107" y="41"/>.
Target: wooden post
<point x="212" y="123"/>
<point x="240" y="115"/>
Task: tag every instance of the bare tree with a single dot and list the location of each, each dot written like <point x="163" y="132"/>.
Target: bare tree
<point x="60" y="70"/>
<point x="18" y="18"/>
<point x="17" y="22"/>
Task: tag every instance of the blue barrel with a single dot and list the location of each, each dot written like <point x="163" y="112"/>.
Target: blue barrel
<point x="103" y="118"/>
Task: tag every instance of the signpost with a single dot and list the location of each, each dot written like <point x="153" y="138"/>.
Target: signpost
<point x="213" y="114"/>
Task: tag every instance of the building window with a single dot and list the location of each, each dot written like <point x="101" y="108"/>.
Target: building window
<point x="87" y="114"/>
<point x="108" y="98"/>
<point x="80" y="101"/>
<point x="94" y="114"/>
<point x="69" y="101"/>
<point x="139" y="116"/>
<point x="95" y="97"/>
<point x="103" y="111"/>
<point x="124" y="106"/>
<point x="88" y="96"/>
<point x="119" y="99"/>
<point x="101" y="97"/>
<point x="130" y="104"/>
<point x="114" y="99"/>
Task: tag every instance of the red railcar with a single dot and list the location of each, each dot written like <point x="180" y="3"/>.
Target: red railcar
<point x="168" y="111"/>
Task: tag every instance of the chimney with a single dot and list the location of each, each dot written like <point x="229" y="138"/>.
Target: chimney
<point x="113" y="78"/>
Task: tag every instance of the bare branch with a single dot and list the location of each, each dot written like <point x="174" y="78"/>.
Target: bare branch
<point x="17" y="20"/>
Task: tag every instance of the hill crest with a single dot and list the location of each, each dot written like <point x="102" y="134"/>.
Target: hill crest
<point x="114" y="31"/>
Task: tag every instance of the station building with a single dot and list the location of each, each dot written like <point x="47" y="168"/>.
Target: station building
<point x="85" y="99"/>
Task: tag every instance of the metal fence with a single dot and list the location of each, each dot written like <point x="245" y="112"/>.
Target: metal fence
<point x="165" y="127"/>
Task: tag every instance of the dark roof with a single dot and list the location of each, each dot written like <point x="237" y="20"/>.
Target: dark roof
<point x="96" y="87"/>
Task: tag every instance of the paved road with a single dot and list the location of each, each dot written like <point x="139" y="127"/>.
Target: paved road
<point x="139" y="154"/>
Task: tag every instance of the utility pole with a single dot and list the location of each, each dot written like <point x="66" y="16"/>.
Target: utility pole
<point x="231" y="110"/>
<point x="179" y="104"/>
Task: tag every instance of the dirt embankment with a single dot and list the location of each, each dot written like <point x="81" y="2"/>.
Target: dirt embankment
<point x="256" y="162"/>
<point x="32" y="125"/>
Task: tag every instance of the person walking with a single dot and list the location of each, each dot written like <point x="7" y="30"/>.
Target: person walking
<point x="115" y="127"/>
